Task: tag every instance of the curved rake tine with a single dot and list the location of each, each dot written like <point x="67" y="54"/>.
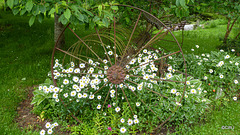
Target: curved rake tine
<point x="106" y="98"/>
<point x="151" y="90"/>
<point x="101" y="87"/>
<point x="127" y="101"/>
<point x="114" y="23"/>
<point x="77" y="58"/>
<point x="87" y="46"/>
<point x="116" y="91"/>
<point x="147" y="44"/>
<point x="143" y="102"/>
<point x="103" y="46"/>
<point x="153" y="60"/>
<point x="156" y="79"/>
<point x="70" y="111"/>
<point x="82" y="73"/>
<point x="130" y="37"/>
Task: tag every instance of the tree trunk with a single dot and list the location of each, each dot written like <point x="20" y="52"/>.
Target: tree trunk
<point x="229" y="29"/>
<point x="227" y="32"/>
<point x="58" y="28"/>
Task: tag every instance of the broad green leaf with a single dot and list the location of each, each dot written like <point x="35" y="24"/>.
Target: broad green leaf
<point x="114" y="7"/>
<point x="42" y="8"/>
<point x="63" y="20"/>
<point x="67" y="14"/>
<point x="80" y="17"/>
<point x="29" y="6"/>
<point x="74" y="8"/>
<point x="40" y="17"/>
<point x="51" y="11"/>
<point x="89" y="13"/>
<point x="16" y="2"/>
<point x="96" y="19"/>
<point x="10" y="3"/>
<point x="22" y="12"/>
<point x="31" y="21"/>
<point x="105" y="22"/>
<point x="100" y="9"/>
<point x="182" y="3"/>
<point x="15" y="11"/>
<point x="35" y="10"/>
<point x="177" y="2"/>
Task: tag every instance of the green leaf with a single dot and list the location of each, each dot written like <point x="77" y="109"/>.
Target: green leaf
<point x="51" y="11"/>
<point x="29" y="6"/>
<point x="16" y="2"/>
<point x="74" y="8"/>
<point x="100" y="9"/>
<point x="63" y="20"/>
<point x="31" y="21"/>
<point x="40" y="17"/>
<point x="79" y="16"/>
<point x="42" y="8"/>
<point x="22" y="12"/>
<point x="15" y="11"/>
<point x="10" y="3"/>
<point x="182" y="3"/>
<point x="114" y="7"/>
<point x="105" y="22"/>
<point x="96" y="19"/>
<point x="67" y="14"/>
<point x="177" y="2"/>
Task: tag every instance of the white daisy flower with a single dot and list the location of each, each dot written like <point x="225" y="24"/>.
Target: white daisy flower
<point x="210" y="71"/>
<point x="236" y="63"/>
<point x="192" y="49"/>
<point x="236" y="81"/>
<point x="227" y="57"/>
<point x="235" y="98"/>
<point x="73" y="93"/>
<point x="122" y="120"/>
<point x="221" y="76"/>
<point x="173" y="91"/>
<point x="65" y="81"/>
<point x="117" y="109"/>
<point x="193" y="91"/>
<point x="179" y="104"/>
<point x="197" y="46"/>
<point x="205" y="78"/>
<point x="110" y="53"/>
<point x="50" y="131"/>
<point x="99" y="106"/>
<point x="112" y="91"/>
<point x="123" y="130"/>
<point x="91" y="97"/>
<point x="99" y="97"/>
<point x="137" y="104"/>
<point x="130" y="122"/>
<point x="42" y="132"/>
<point x="188" y="82"/>
<point x="135" y="116"/>
<point x="85" y="95"/>
<point x="82" y="65"/>
<point x="55" y="95"/>
<point x="136" y="121"/>
<point x="65" y="95"/>
<point x="48" y="125"/>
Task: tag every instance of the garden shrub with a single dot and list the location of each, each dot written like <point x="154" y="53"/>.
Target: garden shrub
<point x="116" y="116"/>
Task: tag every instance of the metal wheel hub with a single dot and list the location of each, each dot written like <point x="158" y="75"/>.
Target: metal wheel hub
<point x="116" y="74"/>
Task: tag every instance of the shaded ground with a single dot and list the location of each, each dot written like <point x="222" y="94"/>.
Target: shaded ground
<point x="29" y="121"/>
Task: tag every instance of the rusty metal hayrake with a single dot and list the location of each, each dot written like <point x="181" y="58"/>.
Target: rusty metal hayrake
<point x="125" y="48"/>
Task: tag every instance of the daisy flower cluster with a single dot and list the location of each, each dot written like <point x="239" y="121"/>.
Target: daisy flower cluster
<point x="129" y="122"/>
<point x="49" y="128"/>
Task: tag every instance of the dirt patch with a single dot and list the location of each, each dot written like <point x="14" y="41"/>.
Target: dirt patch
<point x="28" y="121"/>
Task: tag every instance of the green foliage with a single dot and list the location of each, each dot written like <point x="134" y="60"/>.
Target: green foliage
<point x="75" y="11"/>
<point x="231" y="45"/>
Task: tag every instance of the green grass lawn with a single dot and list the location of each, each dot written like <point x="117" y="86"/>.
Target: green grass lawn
<point x="25" y="55"/>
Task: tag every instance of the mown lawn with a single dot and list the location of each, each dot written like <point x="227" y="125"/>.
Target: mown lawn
<point x="25" y="54"/>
